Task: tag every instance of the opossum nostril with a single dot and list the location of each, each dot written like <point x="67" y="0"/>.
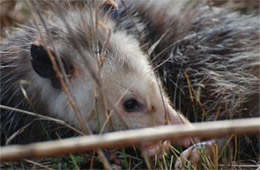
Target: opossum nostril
<point x="131" y="105"/>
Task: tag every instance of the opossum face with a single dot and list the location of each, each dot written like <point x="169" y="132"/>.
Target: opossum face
<point x="129" y="90"/>
<point x="132" y="86"/>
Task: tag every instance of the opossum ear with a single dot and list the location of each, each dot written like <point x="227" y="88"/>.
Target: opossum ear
<point x="42" y="64"/>
<point x="111" y="8"/>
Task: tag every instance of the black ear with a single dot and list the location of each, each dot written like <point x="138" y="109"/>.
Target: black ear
<point x="41" y="62"/>
<point x="42" y="65"/>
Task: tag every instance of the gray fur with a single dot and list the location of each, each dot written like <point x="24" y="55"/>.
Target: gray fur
<point x="219" y="50"/>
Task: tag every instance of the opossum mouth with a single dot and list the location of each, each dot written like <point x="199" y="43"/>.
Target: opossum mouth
<point x="155" y="148"/>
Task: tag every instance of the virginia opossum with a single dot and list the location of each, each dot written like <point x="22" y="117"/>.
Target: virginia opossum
<point x="103" y="68"/>
<point x="208" y="60"/>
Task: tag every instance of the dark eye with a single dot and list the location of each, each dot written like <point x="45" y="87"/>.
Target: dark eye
<point x="131" y="105"/>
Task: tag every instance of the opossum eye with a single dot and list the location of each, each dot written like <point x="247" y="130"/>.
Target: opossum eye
<point x="131" y="105"/>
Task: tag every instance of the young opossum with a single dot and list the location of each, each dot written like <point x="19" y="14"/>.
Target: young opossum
<point x="208" y="59"/>
<point x="104" y="69"/>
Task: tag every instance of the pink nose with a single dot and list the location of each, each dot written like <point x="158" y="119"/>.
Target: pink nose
<point x="176" y="118"/>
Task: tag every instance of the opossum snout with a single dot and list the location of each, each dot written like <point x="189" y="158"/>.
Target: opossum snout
<point x="176" y="118"/>
<point x="167" y="115"/>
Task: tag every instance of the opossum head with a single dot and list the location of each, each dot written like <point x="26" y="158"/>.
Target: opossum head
<point x="108" y="75"/>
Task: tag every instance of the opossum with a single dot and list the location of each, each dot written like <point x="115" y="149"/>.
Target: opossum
<point x="75" y="59"/>
<point x="212" y="51"/>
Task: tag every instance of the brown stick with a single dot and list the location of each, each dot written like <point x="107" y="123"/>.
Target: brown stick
<point x="130" y="137"/>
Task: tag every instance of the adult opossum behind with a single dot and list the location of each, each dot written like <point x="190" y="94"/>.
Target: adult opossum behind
<point x="208" y="60"/>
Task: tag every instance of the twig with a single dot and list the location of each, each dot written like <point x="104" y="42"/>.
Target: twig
<point x="38" y="164"/>
<point x="130" y="137"/>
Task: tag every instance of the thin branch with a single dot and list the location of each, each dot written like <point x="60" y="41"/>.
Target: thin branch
<point x="130" y="137"/>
